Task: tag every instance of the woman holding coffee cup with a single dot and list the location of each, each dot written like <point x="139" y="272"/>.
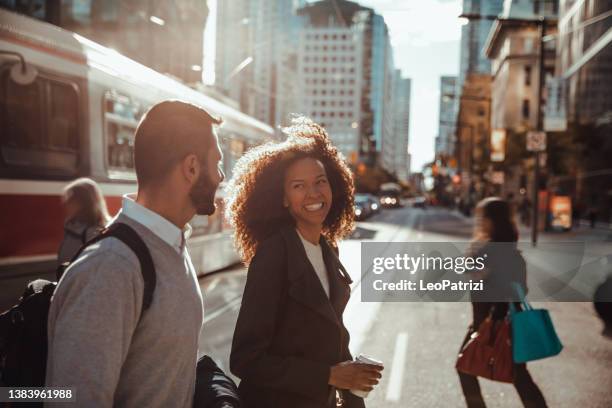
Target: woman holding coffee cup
<point x="289" y="203"/>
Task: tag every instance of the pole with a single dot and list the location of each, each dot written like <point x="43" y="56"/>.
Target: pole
<point x="536" y="172"/>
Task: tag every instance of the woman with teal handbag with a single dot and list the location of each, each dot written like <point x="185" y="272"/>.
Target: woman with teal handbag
<point x="504" y="264"/>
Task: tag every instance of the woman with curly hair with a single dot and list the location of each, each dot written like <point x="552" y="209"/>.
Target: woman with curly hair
<point x="289" y="204"/>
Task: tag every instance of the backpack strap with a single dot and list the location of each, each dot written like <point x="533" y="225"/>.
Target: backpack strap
<point x="129" y="237"/>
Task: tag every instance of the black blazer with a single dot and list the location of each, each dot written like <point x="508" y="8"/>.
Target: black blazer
<point x="288" y="333"/>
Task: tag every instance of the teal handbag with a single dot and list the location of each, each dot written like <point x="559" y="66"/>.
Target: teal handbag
<point x="533" y="333"/>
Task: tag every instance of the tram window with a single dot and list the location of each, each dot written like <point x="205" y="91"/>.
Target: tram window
<point x="63" y="117"/>
<point x="122" y="115"/>
<point x="39" y="125"/>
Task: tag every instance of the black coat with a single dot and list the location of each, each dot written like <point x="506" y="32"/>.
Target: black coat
<point x="288" y="333"/>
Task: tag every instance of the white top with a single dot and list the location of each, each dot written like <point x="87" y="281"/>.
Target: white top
<point x="164" y="229"/>
<point x="315" y="256"/>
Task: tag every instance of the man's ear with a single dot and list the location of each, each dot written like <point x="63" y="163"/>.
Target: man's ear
<point x="190" y="167"/>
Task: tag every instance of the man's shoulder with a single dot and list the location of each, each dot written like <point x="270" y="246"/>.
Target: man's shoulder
<point x="108" y="254"/>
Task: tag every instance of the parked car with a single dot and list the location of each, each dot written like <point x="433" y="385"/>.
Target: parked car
<point x="369" y="202"/>
<point x="374" y="203"/>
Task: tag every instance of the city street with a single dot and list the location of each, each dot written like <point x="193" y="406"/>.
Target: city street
<point x="418" y="342"/>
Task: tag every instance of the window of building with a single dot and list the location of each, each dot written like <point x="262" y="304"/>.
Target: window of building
<point x="40" y="126"/>
<point x="325" y="48"/>
<point x="528" y="75"/>
<point x="323" y="92"/>
<point x="526" y="109"/>
<point x="334" y="36"/>
<point x="324" y="81"/>
<point x="323" y="103"/>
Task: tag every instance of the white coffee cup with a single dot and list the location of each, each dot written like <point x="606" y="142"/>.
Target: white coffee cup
<point x="362" y="358"/>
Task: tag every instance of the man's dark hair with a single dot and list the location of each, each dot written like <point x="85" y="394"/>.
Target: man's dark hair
<point x="169" y="131"/>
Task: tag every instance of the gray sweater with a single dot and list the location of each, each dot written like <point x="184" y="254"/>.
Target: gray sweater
<point x="96" y="343"/>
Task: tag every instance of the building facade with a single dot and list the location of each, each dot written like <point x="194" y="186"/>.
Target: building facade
<point x="480" y="15"/>
<point x="364" y="67"/>
<point x="174" y="31"/>
<point x="401" y="125"/>
<point x="330" y="78"/>
<point x="256" y="58"/>
<point x="514" y="49"/>
<point x="584" y="68"/>
<point x="445" y="140"/>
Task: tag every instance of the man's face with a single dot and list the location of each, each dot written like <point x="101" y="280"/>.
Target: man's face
<point x="211" y="175"/>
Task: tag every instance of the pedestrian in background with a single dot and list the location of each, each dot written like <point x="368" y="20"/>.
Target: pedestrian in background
<point x="85" y="214"/>
<point x="290" y="203"/>
<point x="504" y="265"/>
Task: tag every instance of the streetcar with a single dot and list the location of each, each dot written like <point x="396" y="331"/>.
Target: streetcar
<point x="68" y="109"/>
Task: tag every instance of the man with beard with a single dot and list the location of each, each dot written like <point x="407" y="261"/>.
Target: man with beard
<point x="102" y="342"/>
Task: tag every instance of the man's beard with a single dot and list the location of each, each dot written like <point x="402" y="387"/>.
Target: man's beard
<point x="202" y="196"/>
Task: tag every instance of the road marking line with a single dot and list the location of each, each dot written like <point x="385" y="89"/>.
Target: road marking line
<point x="394" y="389"/>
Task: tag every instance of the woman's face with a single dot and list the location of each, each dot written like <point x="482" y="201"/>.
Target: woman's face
<point x="308" y="195"/>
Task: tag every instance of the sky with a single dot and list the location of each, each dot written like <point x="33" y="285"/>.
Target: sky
<point x="425" y="35"/>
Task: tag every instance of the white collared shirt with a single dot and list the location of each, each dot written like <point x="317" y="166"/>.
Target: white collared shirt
<point x="164" y="229"/>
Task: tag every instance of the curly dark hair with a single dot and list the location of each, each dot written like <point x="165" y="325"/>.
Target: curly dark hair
<point x="256" y="189"/>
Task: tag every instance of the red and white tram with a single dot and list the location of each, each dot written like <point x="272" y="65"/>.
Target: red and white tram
<point x="77" y="118"/>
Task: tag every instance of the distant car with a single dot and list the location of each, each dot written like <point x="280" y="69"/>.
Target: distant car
<point x="374" y="203"/>
<point x="369" y="202"/>
<point x="419" y="202"/>
<point x="361" y="211"/>
<point x="390" y="199"/>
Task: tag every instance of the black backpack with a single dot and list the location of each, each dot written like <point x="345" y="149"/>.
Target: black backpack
<point x="23" y="331"/>
<point x="23" y="328"/>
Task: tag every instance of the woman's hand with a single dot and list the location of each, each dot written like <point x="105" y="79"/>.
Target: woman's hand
<point x="353" y="375"/>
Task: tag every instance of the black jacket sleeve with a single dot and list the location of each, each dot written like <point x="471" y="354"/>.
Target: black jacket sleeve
<point x="262" y="303"/>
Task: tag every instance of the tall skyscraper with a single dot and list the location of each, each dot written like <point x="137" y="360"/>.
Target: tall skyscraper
<point x="447" y="114"/>
<point x="401" y="125"/>
<point x="480" y="15"/>
<point x="361" y="68"/>
<point x="256" y="56"/>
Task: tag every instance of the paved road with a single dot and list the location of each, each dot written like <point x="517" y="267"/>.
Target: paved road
<point x="418" y="341"/>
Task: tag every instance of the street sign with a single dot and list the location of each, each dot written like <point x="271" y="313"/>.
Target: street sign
<point x="536" y="141"/>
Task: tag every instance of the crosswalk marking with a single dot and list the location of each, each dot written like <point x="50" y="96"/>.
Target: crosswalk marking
<point x="394" y="389"/>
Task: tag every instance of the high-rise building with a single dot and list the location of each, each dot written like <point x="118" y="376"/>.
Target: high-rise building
<point x="447" y="114"/>
<point x="584" y="68"/>
<point x="401" y="125"/>
<point x="514" y="49"/>
<point x="584" y="59"/>
<point x="126" y="25"/>
<point x="166" y="36"/>
<point x="330" y="73"/>
<point x="256" y="56"/>
<point x="348" y="47"/>
<point x="480" y="15"/>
